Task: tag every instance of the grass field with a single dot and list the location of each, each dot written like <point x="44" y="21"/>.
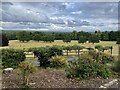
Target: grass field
<point x="21" y="45"/>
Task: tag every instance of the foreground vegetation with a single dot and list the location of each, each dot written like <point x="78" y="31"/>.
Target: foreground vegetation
<point x="95" y="65"/>
<point x="92" y="58"/>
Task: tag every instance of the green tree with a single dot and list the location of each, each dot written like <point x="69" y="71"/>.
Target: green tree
<point x="23" y="36"/>
<point x="3" y="40"/>
<point x="77" y="48"/>
<point x="36" y="37"/>
<point x="93" y="39"/>
<point x="11" y="35"/>
<point x="84" y="34"/>
<point x="105" y="36"/>
<point x="67" y="48"/>
<point x="74" y="35"/>
<point x="48" y="38"/>
<point x="82" y="39"/>
<point x="67" y="38"/>
<point x="98" y="33"/>
<point x="113" y="35"/>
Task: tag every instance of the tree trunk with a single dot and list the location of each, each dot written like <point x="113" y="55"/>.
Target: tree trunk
<point x="67" y="52"/>
<point x="111" y="51"/>
<point x="78" y="52"/>
<point x="27" y="80"/>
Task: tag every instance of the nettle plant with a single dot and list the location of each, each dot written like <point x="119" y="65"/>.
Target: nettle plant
<point x="25" y="70"/>
<point x="58" y="62"/>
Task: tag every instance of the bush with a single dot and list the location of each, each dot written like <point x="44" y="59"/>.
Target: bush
<point x="55" y="50"/>
<point x="101" y="57"/>
<point x="12" y="58"/>
<point x="26" y="69"/>
<point x="58" y="61"/>
<point x="99" y="47"/>
<point x="116" y="67"/>
<point x="43" y="57"/>
<point x="87" y="67"/>
<point x="118" y="41"/>
<point x="45" y="53"/>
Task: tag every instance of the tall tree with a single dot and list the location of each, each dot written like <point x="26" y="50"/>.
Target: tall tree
<point x="113" y="35"/>
<point x="23" y="36"/>
<point x="36" y="37"/>
<point x="105" y="36"/>
<point x="48" y="38"/>
<point x="74" y="35"/>
<point x="3" y="40"/>
<point x="93" y="39"/>
<point x="98" y="33"/>
<point x="67" y="37"/>
<point x="82" y="39"/>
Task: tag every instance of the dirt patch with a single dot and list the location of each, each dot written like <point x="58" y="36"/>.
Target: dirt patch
<point x="50" y="78"/>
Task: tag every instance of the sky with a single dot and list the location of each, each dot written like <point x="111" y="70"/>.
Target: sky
<point x="59" y="16"/>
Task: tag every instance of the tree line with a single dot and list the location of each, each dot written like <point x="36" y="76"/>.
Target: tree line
<point x="82" y="36"/>
<point x="103" y="36"/>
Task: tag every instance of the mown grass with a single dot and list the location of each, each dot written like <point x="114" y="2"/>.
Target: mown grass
<point x="30" y="44"/>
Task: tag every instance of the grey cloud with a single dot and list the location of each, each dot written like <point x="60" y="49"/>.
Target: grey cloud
<point x="42" y="12"/>
<point x="78" y="23"/>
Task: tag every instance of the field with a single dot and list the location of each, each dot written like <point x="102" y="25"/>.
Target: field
<point x="21" y="45"/>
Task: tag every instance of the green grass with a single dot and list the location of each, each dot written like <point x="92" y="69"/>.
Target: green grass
<point x="30" y="44"/>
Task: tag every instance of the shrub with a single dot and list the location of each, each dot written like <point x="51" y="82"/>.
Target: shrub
<point x="26" y="69"/>
<point x="12" y="57"/>
<point x="43" y="57"/>
<point x="118" y="41"/>
<point x="116" y="67"/>
<point x="55" y="50"/>
<point x="99" y="47"/>
<point x="101" y="57"/>
<point x="57" y="61"/>
<point x="87" y="67"/>
<point x="45" y="53"/>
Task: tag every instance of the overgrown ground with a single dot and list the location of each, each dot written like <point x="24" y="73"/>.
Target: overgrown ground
<point x="51" y="78"/>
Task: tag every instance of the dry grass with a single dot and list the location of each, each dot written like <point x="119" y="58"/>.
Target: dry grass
<point x="21" y="45"/>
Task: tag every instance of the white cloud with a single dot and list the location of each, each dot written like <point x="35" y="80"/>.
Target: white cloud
<point x="78" y="12"/>
<point x="86" y="16"/>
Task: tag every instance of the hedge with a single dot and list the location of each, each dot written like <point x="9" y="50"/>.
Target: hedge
<point x="12" y="57"/>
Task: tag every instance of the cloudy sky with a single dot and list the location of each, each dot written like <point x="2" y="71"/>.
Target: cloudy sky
<point x="58" y="16"/>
